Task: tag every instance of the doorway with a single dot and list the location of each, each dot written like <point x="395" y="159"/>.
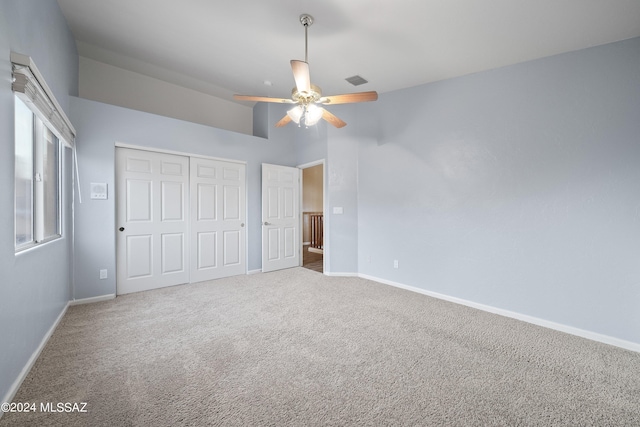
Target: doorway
<point x="313" y="242"/>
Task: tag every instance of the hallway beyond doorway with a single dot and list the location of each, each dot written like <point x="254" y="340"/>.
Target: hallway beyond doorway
<point x="311" y="260"/>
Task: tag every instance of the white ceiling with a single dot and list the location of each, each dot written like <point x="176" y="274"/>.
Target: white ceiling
<point x="223" y="47"/>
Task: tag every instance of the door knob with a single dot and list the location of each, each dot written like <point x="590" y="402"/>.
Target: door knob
<point x="242" y="225"/>
<point x="121" y="228"/>
<point x="267" y="223"/>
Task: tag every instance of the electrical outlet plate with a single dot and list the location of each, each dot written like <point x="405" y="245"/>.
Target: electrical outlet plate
<point x="395" y="263"/>
<point x="103" y="274"/>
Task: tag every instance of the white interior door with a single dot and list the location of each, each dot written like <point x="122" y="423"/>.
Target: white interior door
<point x="280" y="217"/>
<point x="218" y="242"/>
<point x="152" y="220"/>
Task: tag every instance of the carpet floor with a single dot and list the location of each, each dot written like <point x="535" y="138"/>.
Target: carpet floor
<point x="296" y="348"/>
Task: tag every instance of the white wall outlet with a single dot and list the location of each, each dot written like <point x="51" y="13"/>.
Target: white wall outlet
<point x="103" y="274"/>
<point x="338" y="210"/>
<point x="395" y="263"/>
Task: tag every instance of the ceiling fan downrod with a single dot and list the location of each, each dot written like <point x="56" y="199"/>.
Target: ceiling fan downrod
<point x="306" y="21"/>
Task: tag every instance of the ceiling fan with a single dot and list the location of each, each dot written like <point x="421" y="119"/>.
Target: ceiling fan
<point x="308" y="97"/>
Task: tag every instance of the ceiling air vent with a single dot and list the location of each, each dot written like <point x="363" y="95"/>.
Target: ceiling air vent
<point x="356" y="80"/>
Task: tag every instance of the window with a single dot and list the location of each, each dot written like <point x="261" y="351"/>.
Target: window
<point x="41" y="129"/>
<point x="37" y="179"/>
<point x="24" y="174"/>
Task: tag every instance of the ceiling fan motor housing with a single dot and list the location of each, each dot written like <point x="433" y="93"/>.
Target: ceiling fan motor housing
<point x="306" y="98"/>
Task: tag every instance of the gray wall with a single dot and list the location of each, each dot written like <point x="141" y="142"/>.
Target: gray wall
<point x="517" y="188"/>
<point x="342" y="181"/>
<point x="100" y="126"/>
<point x="116" y="86"/>
<point x="339" y="149"/>
<point x="35" y="284"/>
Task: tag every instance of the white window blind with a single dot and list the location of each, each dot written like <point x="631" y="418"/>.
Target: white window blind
<point x="30" y="87"/>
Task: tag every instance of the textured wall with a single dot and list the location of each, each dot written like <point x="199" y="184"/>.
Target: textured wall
<point x="312" y="200"/>
<point x="339" y="149"/>
<point x="35" y="284"/>
<point x="516" y="188"/>
<point x="312" y="189"/>
<point x="112" y="85"/>
<point x="100" y="126"/>
<point x="342" y="178"/>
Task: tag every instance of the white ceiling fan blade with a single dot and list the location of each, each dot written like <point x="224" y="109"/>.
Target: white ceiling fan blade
<point x="301" y="76"/>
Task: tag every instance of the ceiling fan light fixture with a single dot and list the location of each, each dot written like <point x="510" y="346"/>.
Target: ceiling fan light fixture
<point x="295" y="113"/>
<point x="307" y="115"/>
<point x="312" y="115"/>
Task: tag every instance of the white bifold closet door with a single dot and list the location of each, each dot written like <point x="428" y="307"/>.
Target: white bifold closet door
<point x="152" y="220"/>
<point x="218" y="215"/>
<point x="179" y="219"/>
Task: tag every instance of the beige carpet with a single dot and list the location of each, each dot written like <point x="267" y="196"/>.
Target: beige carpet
<point x="296" y="348"/>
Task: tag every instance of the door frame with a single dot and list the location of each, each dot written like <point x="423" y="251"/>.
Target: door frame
<point x="118" y="144"/>
<point x="325" y="216"/>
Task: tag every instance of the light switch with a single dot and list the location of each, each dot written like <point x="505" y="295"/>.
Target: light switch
<point x="337" y="210"/>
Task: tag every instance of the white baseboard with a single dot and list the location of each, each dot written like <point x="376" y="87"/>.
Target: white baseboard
<point x="328" y="273"/>
<point x="254" y="271"/>
<point x="34" y="356"/>
<point x="594" y="336"/>
<point x="92" y="299"/>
